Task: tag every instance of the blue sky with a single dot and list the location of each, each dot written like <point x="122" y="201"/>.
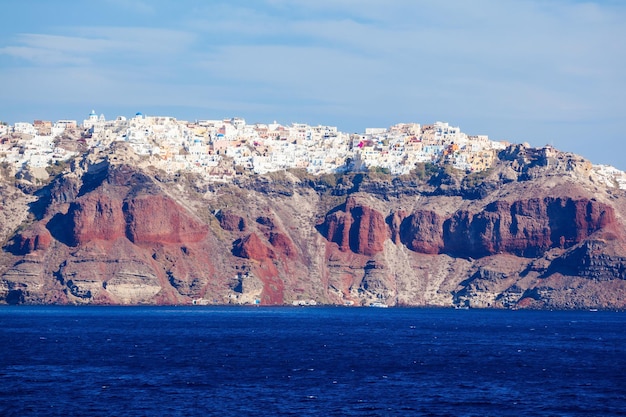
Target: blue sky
<point x="536" y="71"/>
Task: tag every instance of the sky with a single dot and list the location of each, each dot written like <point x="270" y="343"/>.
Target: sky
<point x="536" y="71"/>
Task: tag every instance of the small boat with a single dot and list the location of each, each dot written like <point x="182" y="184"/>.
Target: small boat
<point x="379" y="305"/>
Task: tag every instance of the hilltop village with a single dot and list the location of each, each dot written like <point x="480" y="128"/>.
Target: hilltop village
<point x="155" y="210"/>
<point x="221" y="149"/>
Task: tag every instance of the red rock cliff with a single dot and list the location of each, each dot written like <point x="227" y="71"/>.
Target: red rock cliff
<point x="158" y="219"/>
<point x="525" y="228"/>
<point x="356" y="227"/>
<point x="147" y="219"/>
<point x="96" y="216"/>
<point x="33" y="239"/>
<point x="422" y="232"/>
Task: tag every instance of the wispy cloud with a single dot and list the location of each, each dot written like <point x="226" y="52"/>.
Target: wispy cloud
<point x="90" y="42"/>
<point x="52" y="50"/>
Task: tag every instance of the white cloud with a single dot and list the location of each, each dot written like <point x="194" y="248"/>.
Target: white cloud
<point x="90" y="43"/>
<point x="51" y="50"/>
<point x="139" y="40"/>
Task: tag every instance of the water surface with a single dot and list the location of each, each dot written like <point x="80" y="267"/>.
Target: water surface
<point x="182" y="361"/>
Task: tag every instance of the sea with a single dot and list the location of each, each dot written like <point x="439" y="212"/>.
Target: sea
<point x="317" y="361"/>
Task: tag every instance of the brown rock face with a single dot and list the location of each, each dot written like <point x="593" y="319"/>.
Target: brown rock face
<point x="370" y="233"/>
<point x="283" y="245"/>
<point x="525" y="228"/>
<point x="33" y="239"/>
<point x="251" y="247"/>
<point x="63" y="191"/>
<point x="357" y="228"/>
<point x="148" y="219"/>
<point x="601" y="259"/>
<point x="395" y="220"/>
<point x="336" y="228"/>
<point x="96" y="216"/>
<point x="158" y="219"/>
<point x="231" y="222"/>
<point x="422" y="232"/>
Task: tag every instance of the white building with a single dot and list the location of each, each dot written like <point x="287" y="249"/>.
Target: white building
<point x="25" y="128"/>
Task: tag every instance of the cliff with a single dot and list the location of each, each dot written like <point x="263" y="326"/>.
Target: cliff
<point x="535" y="231"/>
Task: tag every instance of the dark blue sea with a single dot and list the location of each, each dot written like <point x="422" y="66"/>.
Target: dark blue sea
<point x="204" y="361"/>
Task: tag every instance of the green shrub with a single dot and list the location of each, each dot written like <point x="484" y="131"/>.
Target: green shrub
<point x="57" y="168"/>
<point x="425" y="170"/>
<point x="476" y="178"/>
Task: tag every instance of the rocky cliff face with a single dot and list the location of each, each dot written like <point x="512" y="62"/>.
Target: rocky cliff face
<point x="525" y="228"/>
<point x="534" y="233"/>
<point x="355" y="227"/>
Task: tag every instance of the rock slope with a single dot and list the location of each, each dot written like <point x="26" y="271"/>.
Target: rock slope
<point x="536" y="231"/>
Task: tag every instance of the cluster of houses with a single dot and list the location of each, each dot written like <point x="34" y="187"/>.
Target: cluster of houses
<point x="204" y="145"/>
<point x="222" y="148"/>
